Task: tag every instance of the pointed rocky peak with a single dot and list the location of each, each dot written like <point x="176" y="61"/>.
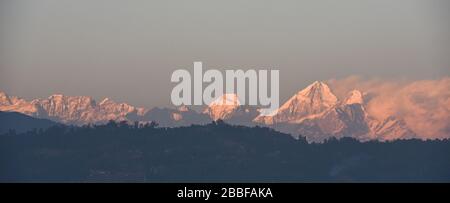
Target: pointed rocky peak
<point x="318" y="91"/>
<point x="314" y="99"/>
<point x="223" y="107"/>
<point x="4" y="99"/>
<point x="314" y="85"/>
<point x="226" y="100"/>
<point x="354" y="97"/>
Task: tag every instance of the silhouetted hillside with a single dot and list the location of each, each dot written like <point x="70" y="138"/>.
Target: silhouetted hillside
<point x="21" y="123"/>
<point x="213" y="152"/>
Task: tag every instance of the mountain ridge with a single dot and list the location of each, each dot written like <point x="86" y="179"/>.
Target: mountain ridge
<point x="19" y="123"/>
<point x="314" y="112"/>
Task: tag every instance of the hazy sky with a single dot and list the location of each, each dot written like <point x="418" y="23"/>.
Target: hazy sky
<point x="127" y="50"/>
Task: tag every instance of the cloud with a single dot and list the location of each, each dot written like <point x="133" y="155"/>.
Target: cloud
<point x="423" y="104"/>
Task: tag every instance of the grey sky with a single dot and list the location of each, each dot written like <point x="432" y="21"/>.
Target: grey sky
<point x="127" y="50"/>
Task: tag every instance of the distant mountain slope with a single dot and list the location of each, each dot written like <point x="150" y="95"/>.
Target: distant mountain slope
<point x="314" y="99"/>
<point x="316" y="113"/>
<point x="21" y="122"/>
<point x="228" y="108"/>
<point x="70" y="109"/>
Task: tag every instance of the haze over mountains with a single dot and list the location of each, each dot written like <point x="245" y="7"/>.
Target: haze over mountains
<point x="314" y="112"/>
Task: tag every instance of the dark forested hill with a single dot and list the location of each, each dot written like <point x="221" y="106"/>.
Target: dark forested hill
<point x="21" y="123"/>
<point x="214" y="152"/>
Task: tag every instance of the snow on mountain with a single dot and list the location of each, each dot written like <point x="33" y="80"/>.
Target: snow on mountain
<point x="70" y="109"/>
<point x="4" y="99"/>
<point x="67" y="109"/>
<point x="15" y="104"/>
<point x="316" y="113"/>
<point x="346" y="120"/>
<point x="228" y="108"/>
<point x="223" y="107"/>
<point x="113" y="109"/>
<point x="392" y="128"/>
<point x="314" y="99"/>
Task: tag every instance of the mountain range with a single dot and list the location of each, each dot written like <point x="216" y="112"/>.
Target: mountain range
<point x="314" y="112"/>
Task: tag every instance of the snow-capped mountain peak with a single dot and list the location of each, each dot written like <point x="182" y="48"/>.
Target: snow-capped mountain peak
<point x="316" y="113"/>
<point x="223" y="107"/>
<point x="313" y="112"/>
<point x="314" y="99"/>
<point x="319" y="91"/>
<point x="71" y="109"/>
<point x="226" y="100"/>
<point x="4" y="99"/>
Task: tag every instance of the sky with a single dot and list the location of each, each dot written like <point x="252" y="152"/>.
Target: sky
<point x="127" y="50"/>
